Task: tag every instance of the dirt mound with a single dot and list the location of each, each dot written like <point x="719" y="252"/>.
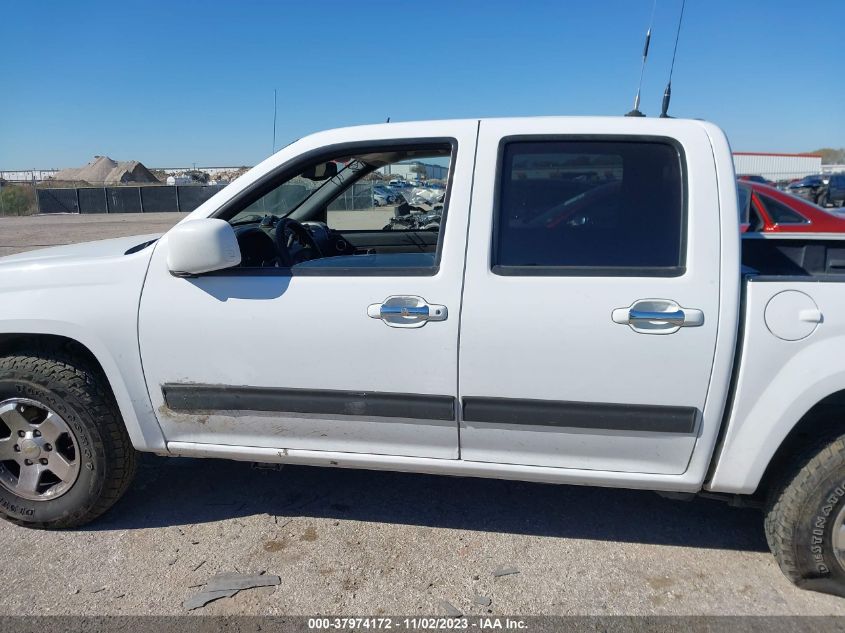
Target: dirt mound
<point x="105" y="171"/>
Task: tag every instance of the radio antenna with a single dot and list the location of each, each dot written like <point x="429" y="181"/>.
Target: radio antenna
<point x="636" y="110"/>
<point x="667" y="94"/>
<point x="275" y="111"/>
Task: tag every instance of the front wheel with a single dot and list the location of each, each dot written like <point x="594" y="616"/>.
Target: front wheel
<point x="805" y="519"/>
<point x="65" y="456"/>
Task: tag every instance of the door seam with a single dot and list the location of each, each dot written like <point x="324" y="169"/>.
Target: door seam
<point x="458" y="408"/>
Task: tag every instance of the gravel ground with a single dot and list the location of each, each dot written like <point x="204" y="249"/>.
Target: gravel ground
<point x="19" y="234"/>
<point x="368" y="543"/>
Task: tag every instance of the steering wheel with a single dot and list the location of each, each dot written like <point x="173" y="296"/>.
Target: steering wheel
<point x="294" y="243"/>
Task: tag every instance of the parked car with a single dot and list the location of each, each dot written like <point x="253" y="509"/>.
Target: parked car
<point x="419" y="220"/>
<point x="766" y="209"/>
<point x="380" y="199"/>
<point x="388" y="193"/>
<point x="834" y="191"/>
<point x="755" y="178"/>
<point x="645" y="347"/>
<point x="809" y="187"/>
<point x="426" y="195"/>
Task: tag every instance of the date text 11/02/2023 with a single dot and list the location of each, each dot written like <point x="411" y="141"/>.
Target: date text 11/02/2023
<point x="418" y="623"/>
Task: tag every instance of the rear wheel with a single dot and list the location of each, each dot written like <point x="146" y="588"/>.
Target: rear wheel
<point x="65" y="456"/>
<point x="805" y="519"/>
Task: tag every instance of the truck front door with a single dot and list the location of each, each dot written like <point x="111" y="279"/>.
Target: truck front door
<point x="352" y="349"/>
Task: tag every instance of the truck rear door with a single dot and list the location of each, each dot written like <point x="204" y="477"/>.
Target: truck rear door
<point x="589" y="317"/>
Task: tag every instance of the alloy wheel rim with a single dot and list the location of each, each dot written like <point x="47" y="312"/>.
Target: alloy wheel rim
<point x="838" y="537"/>
<point x="39" y="454"/>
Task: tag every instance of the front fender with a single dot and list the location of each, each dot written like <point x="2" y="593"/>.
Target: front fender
<point x="94" y="301"/>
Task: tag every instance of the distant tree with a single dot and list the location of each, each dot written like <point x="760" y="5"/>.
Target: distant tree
<point x="831" y="156"/>
<point x="17" y="200"/>
<point x="419" y="170"/>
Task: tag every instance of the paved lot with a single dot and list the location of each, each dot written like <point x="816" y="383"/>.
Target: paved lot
<point x="358" y="542"/>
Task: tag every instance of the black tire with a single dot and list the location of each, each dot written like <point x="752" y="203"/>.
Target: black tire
<point x="81" y="395"/>
<point x="801" y="512"/>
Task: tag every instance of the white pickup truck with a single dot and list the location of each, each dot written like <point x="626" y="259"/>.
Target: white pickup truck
<point x="583" y="312"/>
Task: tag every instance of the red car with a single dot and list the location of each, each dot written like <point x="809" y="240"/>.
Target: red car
<point x="769" y="210"/>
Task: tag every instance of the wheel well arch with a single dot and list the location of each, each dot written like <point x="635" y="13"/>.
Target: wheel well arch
<point x="11" y="343"/>
<point x="143" y="431"/>
<point x="826" y="418"/>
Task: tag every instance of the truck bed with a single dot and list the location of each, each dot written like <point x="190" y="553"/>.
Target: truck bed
<point x="794" y="255"/>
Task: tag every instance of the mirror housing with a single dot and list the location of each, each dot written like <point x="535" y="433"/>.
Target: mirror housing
<point x="202" y="246"/>
<point x="323" y="171"/>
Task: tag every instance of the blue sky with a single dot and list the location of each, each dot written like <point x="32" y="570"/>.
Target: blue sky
<point x="179" y="83"/>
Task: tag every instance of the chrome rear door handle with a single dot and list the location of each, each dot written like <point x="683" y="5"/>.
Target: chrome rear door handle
<point x="657" y="316"/>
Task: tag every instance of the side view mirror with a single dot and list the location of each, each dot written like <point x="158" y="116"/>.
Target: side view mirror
<point x="202" y="246"/>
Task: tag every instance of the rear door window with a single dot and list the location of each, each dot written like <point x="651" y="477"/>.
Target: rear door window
<point x="594" y="207"/>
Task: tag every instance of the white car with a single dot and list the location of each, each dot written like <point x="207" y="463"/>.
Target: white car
<point x="579" y="318"/>
<point x="380" y="199"/>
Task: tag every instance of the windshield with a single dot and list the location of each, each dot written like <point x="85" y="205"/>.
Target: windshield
<point x="290" y="196"/>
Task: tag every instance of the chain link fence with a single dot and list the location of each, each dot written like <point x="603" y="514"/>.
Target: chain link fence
<point x="358" y="196"/>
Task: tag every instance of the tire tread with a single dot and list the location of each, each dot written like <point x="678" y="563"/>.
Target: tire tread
<point x="789" y="493"/>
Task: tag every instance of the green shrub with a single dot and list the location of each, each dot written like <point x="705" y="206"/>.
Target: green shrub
<point x="17" y="200"/>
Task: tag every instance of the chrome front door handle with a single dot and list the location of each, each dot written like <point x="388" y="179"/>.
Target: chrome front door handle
<point x="407" y="311"/>
<point x="675" y="318"/>
<point x="657" y="316"/>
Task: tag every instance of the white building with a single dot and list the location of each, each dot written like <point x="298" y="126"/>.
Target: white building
<point x="179" y="180"/>
<point x="410" y="171"/>
<point x="777" y="166"/>
<point x="27" y="175"/>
